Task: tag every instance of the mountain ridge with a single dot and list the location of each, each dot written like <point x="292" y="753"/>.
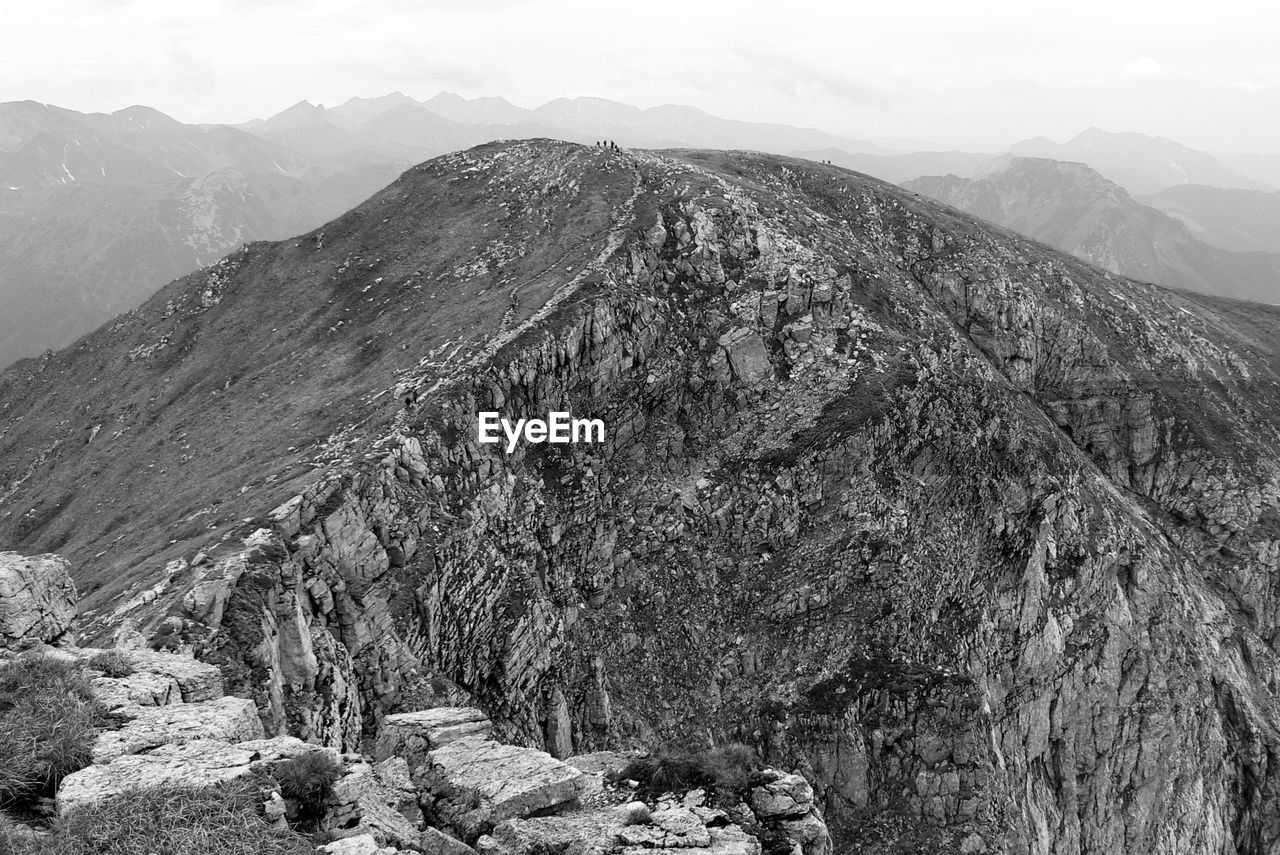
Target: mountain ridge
<point x="942" y="512"/>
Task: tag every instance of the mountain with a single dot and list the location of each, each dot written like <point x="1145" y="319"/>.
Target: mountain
<point x="1075" y="209"/>
<point x="97" y="211"/>
<point x="357" y="111"/>
<point x="979" y="537"/>
<point x="312" y="130"/>
<point x="674" y="125"/>
<point x="897" y="168"/>
<point x="1238" y="220"/>
<point x="1139" y="163"/>
<point x="478" y="111"/>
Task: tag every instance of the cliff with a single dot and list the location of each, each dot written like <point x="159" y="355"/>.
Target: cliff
<point x="977" y="537"/>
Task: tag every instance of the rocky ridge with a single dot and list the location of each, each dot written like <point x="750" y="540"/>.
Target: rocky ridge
<point x="978" y="538"/>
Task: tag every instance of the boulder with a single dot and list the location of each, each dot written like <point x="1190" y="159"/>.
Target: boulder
<point x="506" y="780"/>
<point x="225" y="719"/>
<point x="747" y="355"/>
<point x="412" y="735"/>
<point x="785" y="802"/>
<point x="784" y="796"/>
<point x="37" y="598"/>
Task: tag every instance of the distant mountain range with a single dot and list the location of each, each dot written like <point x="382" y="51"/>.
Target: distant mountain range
<point x="97" y="211"/>
<point x="1140" y="163"/>
<point x="396" y="125"/>
<point x="1239" y="220"/>
<point x="1074" y="208"/>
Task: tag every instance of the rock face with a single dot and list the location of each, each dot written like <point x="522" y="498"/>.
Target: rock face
<point x="37" y="598"/>
<point x="986" y="553"/>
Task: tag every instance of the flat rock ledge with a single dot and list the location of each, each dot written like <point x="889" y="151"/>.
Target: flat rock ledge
<point x="228" y="720"/>
<point x="200" y="763"/>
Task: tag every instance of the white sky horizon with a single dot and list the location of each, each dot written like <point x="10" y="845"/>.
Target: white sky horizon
<point x="985" y="73"/>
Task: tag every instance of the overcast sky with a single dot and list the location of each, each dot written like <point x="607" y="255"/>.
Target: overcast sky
<point x="991" y="71"/>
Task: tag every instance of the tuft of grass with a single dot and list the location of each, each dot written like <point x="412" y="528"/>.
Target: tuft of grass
<point x="220" y="820"/>
<point x="725" y="772"/>
<point x="11" y="842"/>
<point x="308" y="779"/>
<point x="49" y="719"/>
<point x="113" y="663"/>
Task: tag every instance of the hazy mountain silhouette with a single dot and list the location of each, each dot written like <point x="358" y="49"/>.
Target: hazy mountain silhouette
<point x="1141" y="164"/>
<point x="97" y="211"/>
<point x="1074" y="208"/>
<point x="1238" y="220"/>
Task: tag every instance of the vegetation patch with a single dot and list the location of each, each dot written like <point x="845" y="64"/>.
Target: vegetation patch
<point x="168" y="821"/>
<point x="308" y="779"/>
<point x="112" y="663"/>
<point x="49" y="719"/>
<point x="726" y="773"/>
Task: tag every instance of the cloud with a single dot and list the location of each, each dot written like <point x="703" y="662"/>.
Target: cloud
<point x="1143" y="68"/>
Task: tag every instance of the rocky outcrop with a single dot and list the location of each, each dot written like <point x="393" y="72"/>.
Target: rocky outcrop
<point x="786" y="803"/>
<point x="190" y="764"/>
<point x="479" y="782"/>
<point x="37" y="598"/>
<point x="413" y="735"/>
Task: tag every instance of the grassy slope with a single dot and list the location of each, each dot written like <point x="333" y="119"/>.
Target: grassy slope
<point x="233" y="414"/>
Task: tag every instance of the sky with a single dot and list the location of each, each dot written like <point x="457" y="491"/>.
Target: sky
<point x="946" y="71"/>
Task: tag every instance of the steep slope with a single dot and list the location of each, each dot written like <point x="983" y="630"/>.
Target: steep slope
<point x="1139" y="163"/>
<point x="980" y="538"/>
<point x="1236" y="220"/>
<point x="99" y="211"/>
<point x="1075" y="209"/>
